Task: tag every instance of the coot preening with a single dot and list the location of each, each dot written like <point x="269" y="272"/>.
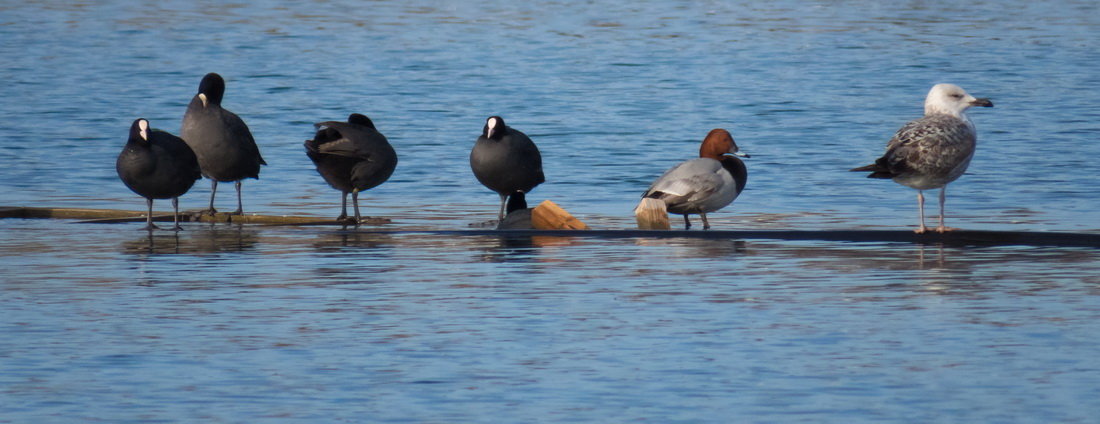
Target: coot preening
<point x="352" y="157"/>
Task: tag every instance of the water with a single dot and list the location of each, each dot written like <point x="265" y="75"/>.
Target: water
<point x="226" y="323"/>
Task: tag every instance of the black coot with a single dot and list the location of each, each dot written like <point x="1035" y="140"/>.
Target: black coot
<point x="352" y="157"/>
<point x="157" y="165"/>
<point x="506" y="161"/>
<point x="220" y="139"/>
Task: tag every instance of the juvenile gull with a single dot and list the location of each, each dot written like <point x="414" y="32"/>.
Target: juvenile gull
<point x="934" y="150"/>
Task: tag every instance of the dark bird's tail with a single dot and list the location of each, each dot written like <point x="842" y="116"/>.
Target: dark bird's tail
<point x="516" y="201"/>
<point x="877" y="170"/>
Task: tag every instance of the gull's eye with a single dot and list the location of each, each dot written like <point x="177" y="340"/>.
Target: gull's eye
<point x="957" y="96"/>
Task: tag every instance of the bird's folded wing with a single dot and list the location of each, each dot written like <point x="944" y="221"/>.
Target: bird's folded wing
<point x="925" y="139"/>
<point x="690" y="188"/>
<point x="344" y="139"/>
<point x="343" y="147"/>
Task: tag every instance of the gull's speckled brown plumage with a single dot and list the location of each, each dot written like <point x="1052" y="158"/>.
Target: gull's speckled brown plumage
<point x="932" y="151"/>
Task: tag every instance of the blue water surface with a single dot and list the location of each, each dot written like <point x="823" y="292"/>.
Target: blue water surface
<point x="246" y="324"/>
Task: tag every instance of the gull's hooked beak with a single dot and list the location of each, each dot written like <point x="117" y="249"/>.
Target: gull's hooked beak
<point x="203" y="98"/>
<point x="981" y="102"/>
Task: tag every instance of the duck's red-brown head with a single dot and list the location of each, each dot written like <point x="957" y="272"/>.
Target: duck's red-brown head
<point x="718" y="143"/>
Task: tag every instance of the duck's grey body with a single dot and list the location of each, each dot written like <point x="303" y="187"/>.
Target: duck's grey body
<point x="700" y="185"/>
<point x="705" y="184"/>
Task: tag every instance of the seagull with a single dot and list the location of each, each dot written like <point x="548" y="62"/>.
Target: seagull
<point x="932" y="151"/>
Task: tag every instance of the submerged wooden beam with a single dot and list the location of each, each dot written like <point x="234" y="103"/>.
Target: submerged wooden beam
<point x="110" y="216"/>
<point x="953" y="238"/>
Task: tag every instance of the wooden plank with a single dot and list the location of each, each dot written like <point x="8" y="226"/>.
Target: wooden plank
<point x="276" y="219"/>
<point x="953" y="238"/>
<point x="64" y="213"/>
<point x="110" y="216"/>
<point x="549" y="216"/>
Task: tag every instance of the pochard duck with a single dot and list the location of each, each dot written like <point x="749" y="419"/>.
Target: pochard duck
<point x="706" y="184"/>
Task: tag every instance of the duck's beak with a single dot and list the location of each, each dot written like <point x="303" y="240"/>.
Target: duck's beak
<point x="739" y="153"/>
<point x="489" y="133"/>
<point x="203" y="98"/>
<point x="981" y="102"/>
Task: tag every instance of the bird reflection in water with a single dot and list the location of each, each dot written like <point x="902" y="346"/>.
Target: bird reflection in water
<point x="199" y="240"/>
<point x="522" y="248"/>
<point x="935" y="257"/>
<point x="696" y="247"/>
<point x="154" y="243"/>
<point x="339" y="240"/>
